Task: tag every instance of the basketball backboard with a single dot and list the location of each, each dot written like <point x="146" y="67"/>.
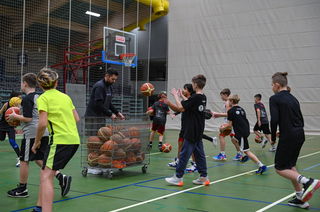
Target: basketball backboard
<point x="115" y="44"/>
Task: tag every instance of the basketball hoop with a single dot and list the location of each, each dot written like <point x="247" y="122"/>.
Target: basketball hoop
<point x="127" y="58"/>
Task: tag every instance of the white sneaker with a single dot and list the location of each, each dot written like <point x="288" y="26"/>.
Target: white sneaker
<point x="214" y="141"/>
<point x="192" y="168"/>
<point x="174" y="180"/>
<point x="202" y="181"/>
<point x="273" y="149"/>
<point x="18" y="162"/>
<point x="264" y="143"/>
<point x="174" y="163"/>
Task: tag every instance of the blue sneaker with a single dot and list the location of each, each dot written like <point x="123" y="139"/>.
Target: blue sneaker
<point x="237" y="157"/>
<point x="174" y="163"/>
<point x="261" y="169"/>
<point x="220" y="157"/>
<point x="192" y="168"/>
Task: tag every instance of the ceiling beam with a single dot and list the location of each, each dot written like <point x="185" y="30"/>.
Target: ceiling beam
<point x="9" y="11"/>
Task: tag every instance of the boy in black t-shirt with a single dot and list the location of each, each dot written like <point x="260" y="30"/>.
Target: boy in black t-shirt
<point x="262" y="123"/>
<point x="193" y="109"/>
<point x="285" y="112"/>
<point x="160" y="111"/>
<point x="238" y="120"/>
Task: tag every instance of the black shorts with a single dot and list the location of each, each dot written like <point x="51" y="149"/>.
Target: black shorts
<point x="11" y="134"/>
<point x="288" y="151"/>
<point x="57" y="156"/>
<point x="264" y="128"/>
<point x="243" y="142"/>
<point x="25" y="150"/>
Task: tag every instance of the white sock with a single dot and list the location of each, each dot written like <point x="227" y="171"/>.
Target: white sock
<point x="302" y="179"/>
<point x="299" y="194"/>
<point x="239" y="152"/>
<point x="223" y="153"/>
<point x="259" y="164"/>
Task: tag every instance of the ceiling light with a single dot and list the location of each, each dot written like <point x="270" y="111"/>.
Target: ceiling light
<point x="93" y="14"/>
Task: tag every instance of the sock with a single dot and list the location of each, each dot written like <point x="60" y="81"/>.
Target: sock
<point x="160" y="143"/>
<point x="299" y="194"/>
<point x="22" y="185"/>
<point x="302" y="179"/>
<point x="59" y="177"/>
<point x="240" y="153"/>
<point x="259" y="164"/>
<point x="38" y="209"/>
<point x="14" y="146"/>
<point x="223" y="153"/>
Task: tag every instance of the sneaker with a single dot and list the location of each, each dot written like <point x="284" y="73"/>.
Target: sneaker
<point x="264" y="143"/>
<point x="18" y="162"/>
<point x="174" y="163"/>
<point x="298" y="203"/>
<point x="160" y="147"/>
<point x="174" y="180"/>
<point x="244" y="159"/>
<point x="36" y="209"/>
<point x="149" y="147"/>
<point x="237" y="157"/>
<point x="192" y="168"/>
<point x="214" y="141"/>
<point x="65" y="184"/>
<point x="18" y="192"/>
<point x="261" y="170"/>
<point x="309" y="188"/>
<point x="273" y="149"/>
<point x="220" y="157"/>
<point x="202" y="181"/>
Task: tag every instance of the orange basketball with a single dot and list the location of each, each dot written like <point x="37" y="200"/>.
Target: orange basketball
<point x="136" y="144"/>
<point x="166" y="148"/>
<point x="104" y="133"/>
<point x="108" y="147"/>
<point x="257" y="139"/>
<point x="104" y="161"/>
<point x="118" y="164"/>
<point x="120" y="154"/>
<point x="225" y="129"/>
<point x="94" y="143"/>
<point x="10" y="111"/>
<point x="147" y="89"/>
<point x="134" y="132"/>
<point x="93" y="159"/>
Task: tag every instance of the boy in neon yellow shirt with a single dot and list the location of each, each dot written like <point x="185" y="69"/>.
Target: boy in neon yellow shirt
<point x="57" y="112"/>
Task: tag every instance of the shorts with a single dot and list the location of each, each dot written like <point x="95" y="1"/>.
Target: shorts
<point x="243" y="143"/>
<point x="160" y="128"/>
<point x="57" y="156"/>
<point x="11" y="134"/>
<point x="264" y="128"/>
<point x="232" y="134"/>
<point x="288" y="151"/>
<point x="26" y="145"/>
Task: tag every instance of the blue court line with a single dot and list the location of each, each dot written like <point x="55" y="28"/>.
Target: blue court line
<point x="97" y="192"/>
<point x="311" y="167"/>
<point x="211" y="195"/>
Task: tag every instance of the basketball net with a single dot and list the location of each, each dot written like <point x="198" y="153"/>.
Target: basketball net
<point x="127" y="58"/>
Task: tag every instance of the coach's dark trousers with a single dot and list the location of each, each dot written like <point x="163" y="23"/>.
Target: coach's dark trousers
<point x="187" y="149"/>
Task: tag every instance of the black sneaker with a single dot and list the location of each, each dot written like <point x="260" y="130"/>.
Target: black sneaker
<point x="65" y="184"/>
<point x="298" y="203"/>
<point x="311" y="186"/>
<point x="160" y="147"/>
<point x="18" y="192"/>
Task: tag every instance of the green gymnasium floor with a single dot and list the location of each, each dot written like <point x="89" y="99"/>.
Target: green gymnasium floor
<point x="234" y="187"/>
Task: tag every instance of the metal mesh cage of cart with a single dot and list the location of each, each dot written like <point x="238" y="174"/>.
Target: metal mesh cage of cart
<point x="107" y="146"/>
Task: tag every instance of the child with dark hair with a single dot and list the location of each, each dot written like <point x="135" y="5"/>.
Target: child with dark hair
<point x="238" y="120"/>
<point x="262" y="123"/>
<point x="5" y="128"/>
<point x="285" y="113"/>
<point x="160" y="110"/>
<point x="29" y="121"/>
<point x="187" y="92"/>
<point x="193" y="109"/>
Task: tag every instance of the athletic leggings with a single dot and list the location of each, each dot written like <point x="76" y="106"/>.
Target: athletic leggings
<point x="12" y="139"/>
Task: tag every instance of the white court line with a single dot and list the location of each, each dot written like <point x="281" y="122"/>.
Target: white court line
<point x="189" y="189"/>
<point x="275" y="203"/>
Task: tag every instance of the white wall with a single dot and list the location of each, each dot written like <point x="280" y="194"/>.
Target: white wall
<point x="239" y="44"/>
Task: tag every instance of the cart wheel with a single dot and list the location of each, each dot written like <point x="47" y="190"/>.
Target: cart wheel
<point x="84" y="172"/>
<point x="144" y="169"/>
<point x="110" y="174"/>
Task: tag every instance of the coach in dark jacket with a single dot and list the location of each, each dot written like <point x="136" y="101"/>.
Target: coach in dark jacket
<point x="100" y="103"/>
